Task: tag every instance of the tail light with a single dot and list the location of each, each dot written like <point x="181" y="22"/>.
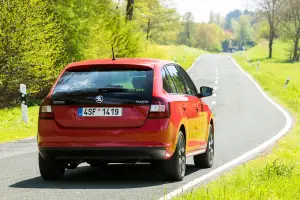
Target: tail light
<point x="159" y="108"/>
<point x="46" y="109"/>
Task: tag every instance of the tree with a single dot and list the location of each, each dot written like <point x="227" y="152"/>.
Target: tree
<point x="291" y="24"/>
<point x="270" y="10"/>
<point x="208" y="36"/>
<point x="211" y="17"/>
<point x="262" y="30"/>
<point x="216" y="18"/>
<point x="159" y="22"/>
<point x="109" y="27"/>
<point x="129" y="9"/>
<point x="235" y="14"/>
<point x="185" y="37"/>
<point x="31" y="47"/>
<point x="228" y="38"/>
<point x="242" y="30"/>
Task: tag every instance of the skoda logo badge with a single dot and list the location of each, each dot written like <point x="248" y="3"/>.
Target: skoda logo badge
<point x="99" y="99"/>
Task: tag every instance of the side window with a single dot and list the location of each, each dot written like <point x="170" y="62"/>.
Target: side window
<point x="178" y="82"/>
<point x="189" y="83"/>
<point x="168" y="84"/>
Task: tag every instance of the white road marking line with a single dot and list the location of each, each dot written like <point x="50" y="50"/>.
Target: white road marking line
<point x="257" y="150"/>
<point x="30" y="138"/>
<point x="213" y="102"/>
<point x="216" y="82"/>
<point x="189" y="69"/>
<point x="217" y="78"/>
<point x="214" y="95"/>
<point x="215" y="88"/>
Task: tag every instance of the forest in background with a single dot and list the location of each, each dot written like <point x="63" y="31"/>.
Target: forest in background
<point x="39" y="38"/>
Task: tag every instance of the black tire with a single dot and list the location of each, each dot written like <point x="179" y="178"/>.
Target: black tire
<point x="154" y="164"/>
<point x="206" y="159"/>
<point x="174" y="169"/>
<point x="51" y="169"/>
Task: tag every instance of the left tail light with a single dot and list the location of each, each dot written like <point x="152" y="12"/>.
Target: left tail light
<point x="46" y="110"/>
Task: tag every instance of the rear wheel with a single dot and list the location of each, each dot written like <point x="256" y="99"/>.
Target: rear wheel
<point x="154" y="164"/>
<point x="51" y="169"/>
<point x="175" y="168"/>
<point x="206" y="159"/>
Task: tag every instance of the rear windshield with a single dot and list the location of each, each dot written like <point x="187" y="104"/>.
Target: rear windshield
<point x="111" y="81"/>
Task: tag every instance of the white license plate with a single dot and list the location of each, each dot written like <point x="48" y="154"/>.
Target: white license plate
<point x="99" y="112"/>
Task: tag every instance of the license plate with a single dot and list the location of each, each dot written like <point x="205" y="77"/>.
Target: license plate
<point x="99" y="112"/>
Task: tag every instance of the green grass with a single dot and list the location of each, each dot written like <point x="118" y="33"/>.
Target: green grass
<point x="12" y="127"/>
<point x="183" y="55"/>
<point x="274" y="175"/>
<point x="280" y="52"/>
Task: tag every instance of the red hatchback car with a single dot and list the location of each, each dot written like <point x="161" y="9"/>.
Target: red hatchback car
<point x="125" y="110"/>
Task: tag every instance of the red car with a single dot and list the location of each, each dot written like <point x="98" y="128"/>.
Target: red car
<point x="125" y="110"/>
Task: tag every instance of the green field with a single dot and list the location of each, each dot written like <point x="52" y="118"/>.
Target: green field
<point x="12" y="127"/>
<point x="183" y="55"/>
<point x="275" y="175"/>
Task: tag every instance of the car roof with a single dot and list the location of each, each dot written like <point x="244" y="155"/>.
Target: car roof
<point x="148" y="62"/>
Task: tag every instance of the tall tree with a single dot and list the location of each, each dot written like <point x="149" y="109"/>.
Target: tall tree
<point x="291" y="24"/>
<point x="235" y="14"/>
<point x="242" y="30"/>
<point x="129" y="9"/>
<point x="159" y="21"/>
<point x="270" y="10"/>
<point x="216" y="18"/>
<point x="188" y="21"/>
<point x="211" y="17"/>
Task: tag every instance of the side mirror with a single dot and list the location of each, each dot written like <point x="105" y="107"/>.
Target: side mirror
<point x="205" y="91"/>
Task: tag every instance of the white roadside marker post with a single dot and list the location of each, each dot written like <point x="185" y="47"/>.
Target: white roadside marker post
<point x="257" y="66"/>
<point x="287" y="82"/>
<point x="24" y="108"/>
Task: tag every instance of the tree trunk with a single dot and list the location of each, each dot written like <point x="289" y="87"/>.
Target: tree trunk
<point x="188" y="34"/>
<point x="148" y="28"/>
<point x="296" y="45"/>
<point x="129" y="9"/>
<point x="271" y="38"/>
<point x="117" y="7"/>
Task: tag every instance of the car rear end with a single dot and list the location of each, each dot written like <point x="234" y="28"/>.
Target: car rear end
<point x="105" y="112"/>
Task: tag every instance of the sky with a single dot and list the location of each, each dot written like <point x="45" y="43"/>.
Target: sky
<point x="201" y="8"/>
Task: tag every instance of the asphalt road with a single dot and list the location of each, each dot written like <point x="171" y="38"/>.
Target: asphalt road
<point x="244" y="119"/>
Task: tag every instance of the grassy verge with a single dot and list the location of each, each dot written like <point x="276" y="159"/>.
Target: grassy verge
<point x="183" y="55"/>
<point x="274" y="175"/>
<point x="12" y="127"/>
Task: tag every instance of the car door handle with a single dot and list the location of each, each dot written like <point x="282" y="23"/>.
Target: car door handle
<point x="183" y="106"/>
<point x="197" y="107"/>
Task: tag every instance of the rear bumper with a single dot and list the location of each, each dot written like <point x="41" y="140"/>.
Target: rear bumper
<point x="133" y="142"/>
<point x="104" y="153"/>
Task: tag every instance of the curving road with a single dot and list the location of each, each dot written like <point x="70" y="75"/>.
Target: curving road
<point x="244" y="119"/>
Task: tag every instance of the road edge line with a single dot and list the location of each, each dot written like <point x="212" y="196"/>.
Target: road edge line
<point x="248" y="155"/>
<point x="19" y="140"/>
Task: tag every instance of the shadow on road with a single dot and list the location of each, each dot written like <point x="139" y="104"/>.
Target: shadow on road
<point x="111" y="177"/>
